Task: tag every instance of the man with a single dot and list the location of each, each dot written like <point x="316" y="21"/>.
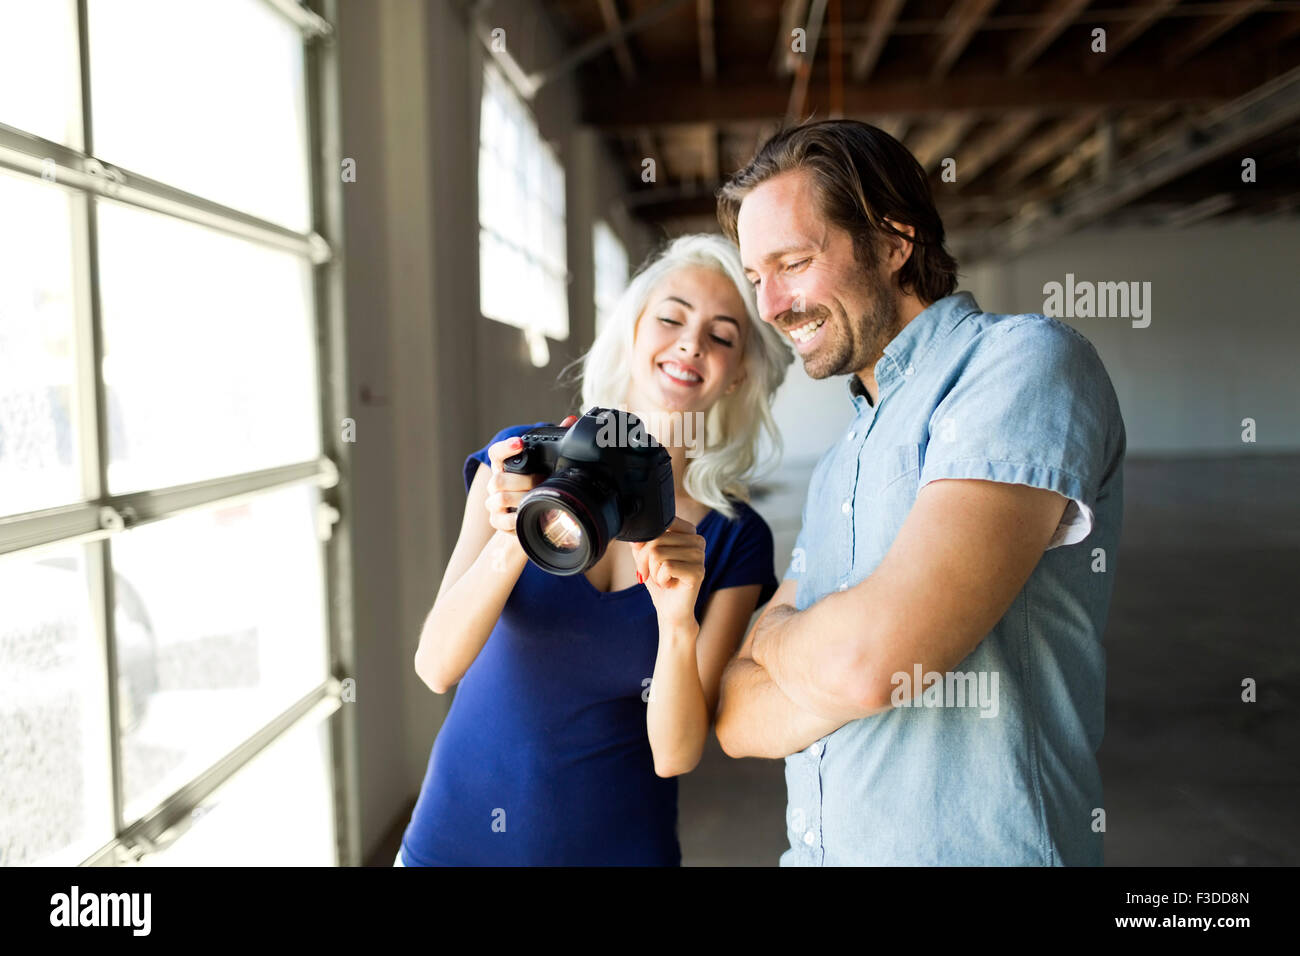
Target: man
<point x="931" y="668"/>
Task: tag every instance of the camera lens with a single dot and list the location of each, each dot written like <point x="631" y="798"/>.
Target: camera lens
<point x="566" y="522"/>
<point x="560" y="530"/>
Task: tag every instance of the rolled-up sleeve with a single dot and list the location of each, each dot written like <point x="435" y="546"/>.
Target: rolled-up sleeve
<point x="1031" y="405"/>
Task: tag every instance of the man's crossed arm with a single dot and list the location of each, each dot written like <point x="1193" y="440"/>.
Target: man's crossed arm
<point x="962" y="555"/>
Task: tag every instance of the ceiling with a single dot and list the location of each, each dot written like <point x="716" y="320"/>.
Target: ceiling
<point x="1046" y="135"/>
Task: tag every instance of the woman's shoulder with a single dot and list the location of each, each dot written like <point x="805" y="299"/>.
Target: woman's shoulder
<point x="747" y="520"/>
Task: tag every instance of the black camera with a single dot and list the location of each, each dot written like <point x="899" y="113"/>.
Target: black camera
<point x="608" y="478"/>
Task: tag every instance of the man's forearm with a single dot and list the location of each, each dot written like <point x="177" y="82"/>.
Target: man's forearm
<point x="803" y="654"/>
<point x="756" y="719"/>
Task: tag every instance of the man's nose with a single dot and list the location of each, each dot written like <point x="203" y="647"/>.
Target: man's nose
<point x="773" y="300"/>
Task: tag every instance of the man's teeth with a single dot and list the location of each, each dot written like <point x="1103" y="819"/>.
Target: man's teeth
<point x="804" y="332"/>
<point x="679" y="373"/>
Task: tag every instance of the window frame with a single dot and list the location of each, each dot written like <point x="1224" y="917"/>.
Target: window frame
<point x="98" y="516"/>
<point x="494" y="79"/>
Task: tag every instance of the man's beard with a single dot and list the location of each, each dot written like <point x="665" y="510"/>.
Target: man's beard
<point x="849" y="350"/>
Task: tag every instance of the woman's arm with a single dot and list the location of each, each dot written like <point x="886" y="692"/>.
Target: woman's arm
<point x="482" y="571"/>
<point x="688" y="670"/>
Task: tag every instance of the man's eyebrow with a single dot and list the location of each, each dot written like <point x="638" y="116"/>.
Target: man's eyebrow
<point x="720" y="318"/>
<point x="779" y="253"/>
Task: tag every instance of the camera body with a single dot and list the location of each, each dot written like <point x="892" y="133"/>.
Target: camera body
<point x="607" y="478"/>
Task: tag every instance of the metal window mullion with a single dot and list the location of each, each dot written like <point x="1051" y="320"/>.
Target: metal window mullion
<point x="312" y="24"/>
<point x="162" y="825"/>
<point x="90" y="348"/>
<point x="92" y="520"/>
<point x="78" y="172"/>
<point x="323" y="131"/>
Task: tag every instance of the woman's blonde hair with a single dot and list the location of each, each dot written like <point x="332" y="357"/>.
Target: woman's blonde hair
<point x="735" y="423"/>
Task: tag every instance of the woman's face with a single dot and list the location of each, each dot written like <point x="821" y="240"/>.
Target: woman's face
<point x="689" y="342"/>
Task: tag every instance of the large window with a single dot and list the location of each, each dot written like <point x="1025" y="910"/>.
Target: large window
<point x="522" y="258"/>
<point x="609" y="257"/>
<point x="166" y="502"/>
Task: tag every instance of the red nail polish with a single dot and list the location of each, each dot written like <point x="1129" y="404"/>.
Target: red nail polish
<point x="639" y="579"/>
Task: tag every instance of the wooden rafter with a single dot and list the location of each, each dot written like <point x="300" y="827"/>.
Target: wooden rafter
<point x="656" y="101"/>
<point x="1060" y="15"/>
<point x="1065" y="135"/>
<point x="708" y="49"/>
<point x="960" y="25"/>
<point x="622" y="52"/>
<point x="993" y="144"/>
<point x="941" y="139"/>
<point x="1207" y="31"/>
<point x="1117" y="40"/>
<point x="884" y="14"/>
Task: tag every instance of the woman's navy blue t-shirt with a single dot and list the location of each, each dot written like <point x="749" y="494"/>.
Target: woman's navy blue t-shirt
<point x="543" y="758"/>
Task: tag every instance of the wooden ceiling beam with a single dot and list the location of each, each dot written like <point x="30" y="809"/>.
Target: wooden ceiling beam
<point x="793" y="13"/>
<point x="1117" y="40"/>
<point x="622" y="52"/>
<point x="884" y="14"/>
<point x="656" y="102"/>
<point x="1060" y="15"/>
<point x="993" y="144"/>
<point x="1066" y="135"/>
<point x="1207" y="30"/>
<point x="960" y="25"/>
<point x="708" y="47"/>
<point x="942" y="139"/>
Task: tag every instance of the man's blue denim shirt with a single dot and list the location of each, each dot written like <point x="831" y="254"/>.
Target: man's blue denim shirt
<point x="998" y="765"/>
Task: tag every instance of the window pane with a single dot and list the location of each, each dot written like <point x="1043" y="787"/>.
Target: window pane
<point x="209" y="358"/>
<point x="39" y="75"/>
<point x="39" y="450"/>
<point x="208" y="100"/>
<point x="228" y="603"/>
<point x="277" y="811"/>
<point x="56" y="796"/>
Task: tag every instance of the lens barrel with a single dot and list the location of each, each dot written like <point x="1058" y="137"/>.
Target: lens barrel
<point x="565" y="524"/>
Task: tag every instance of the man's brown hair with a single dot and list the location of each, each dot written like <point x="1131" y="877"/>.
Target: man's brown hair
<point x="862" y="176"/>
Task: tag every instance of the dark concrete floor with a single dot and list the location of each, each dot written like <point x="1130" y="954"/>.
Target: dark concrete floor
<point x="1205" y="597"/>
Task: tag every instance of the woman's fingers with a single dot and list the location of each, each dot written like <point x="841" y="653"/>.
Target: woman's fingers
<point x="499" y="451"/>
<point x="686" y="572"/>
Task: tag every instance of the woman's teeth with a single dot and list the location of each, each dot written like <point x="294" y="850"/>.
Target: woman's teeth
<point x="679" y="374"/>
<point x="804" y="332"/>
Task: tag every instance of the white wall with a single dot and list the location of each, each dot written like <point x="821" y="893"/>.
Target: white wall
<point x="1224" y="334"/>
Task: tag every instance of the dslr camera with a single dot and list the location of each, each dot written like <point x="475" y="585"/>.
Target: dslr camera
<point x="607" y="478"/>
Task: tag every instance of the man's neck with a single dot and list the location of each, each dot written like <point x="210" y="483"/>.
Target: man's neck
<point x="909" y="307"/>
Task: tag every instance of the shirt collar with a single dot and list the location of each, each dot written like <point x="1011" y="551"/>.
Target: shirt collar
<point x="908" y="351"/>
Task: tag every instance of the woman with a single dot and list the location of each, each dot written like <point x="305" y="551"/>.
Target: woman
<point x="581" y="697"/>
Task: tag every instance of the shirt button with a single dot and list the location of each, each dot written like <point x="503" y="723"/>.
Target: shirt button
<point x="850" y="436"/>
<point x="809" y="837"/>
<point x="816" y="750"/>
<point x="843" y="586"/>
<point x="910" y="370"/>
<point x="846" y="506"/>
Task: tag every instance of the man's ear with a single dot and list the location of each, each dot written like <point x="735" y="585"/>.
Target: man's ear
<point x="900" y="249"/>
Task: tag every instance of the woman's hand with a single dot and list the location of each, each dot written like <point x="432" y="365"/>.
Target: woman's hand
<point x="672" y="567"/>
<point x="505" y="490"/>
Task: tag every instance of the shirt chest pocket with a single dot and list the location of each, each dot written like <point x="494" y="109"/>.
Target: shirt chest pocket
<point x="888" y="484"/>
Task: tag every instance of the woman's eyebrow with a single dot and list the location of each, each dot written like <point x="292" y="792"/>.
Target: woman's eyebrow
<point x="717" y="318"/>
